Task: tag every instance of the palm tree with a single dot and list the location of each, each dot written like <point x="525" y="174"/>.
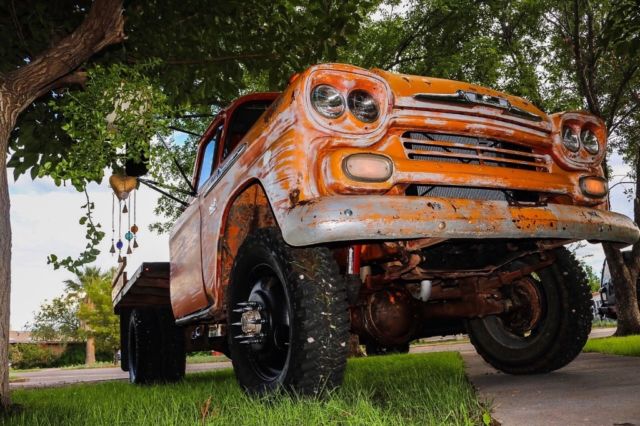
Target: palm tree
<point x="78" y="288"/>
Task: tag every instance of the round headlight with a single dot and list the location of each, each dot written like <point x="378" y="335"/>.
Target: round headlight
<point x="570" y="139"/>
<point x="363" y="106"/>
<point x="590" y="142"/>
<point x="327" y="101"/>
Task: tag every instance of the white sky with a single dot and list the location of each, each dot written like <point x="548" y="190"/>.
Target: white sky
<point x="44" y="219"/>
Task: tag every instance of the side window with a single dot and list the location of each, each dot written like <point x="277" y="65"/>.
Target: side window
<point x="208" y="158"/>
<point x="243" y="118"/>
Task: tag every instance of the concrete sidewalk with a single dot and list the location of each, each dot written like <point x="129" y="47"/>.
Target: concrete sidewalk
<point x="595" y="389"/>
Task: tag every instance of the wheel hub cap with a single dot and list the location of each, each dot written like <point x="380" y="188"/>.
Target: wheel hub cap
<point x="251" y="323"/>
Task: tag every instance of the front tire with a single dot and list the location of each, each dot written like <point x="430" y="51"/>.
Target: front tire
<point x="288" y="317"/>
<point x="560" y="331"/>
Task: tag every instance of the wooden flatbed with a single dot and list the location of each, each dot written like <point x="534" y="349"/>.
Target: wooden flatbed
<point x="149" y="286"/>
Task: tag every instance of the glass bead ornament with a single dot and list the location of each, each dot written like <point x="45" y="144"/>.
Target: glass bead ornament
<point x="128" y="236"/>
<point x="119" y="245"/>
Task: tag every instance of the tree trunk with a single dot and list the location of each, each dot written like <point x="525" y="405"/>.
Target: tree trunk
<point x="53" y="68"/>
<point x="90" y="356"/>
<point x="7" y="122"/>
<point x="624" y="284"/>
<point x="625" y="274"/>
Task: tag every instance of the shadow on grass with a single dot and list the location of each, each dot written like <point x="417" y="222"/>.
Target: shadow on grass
<point x="401" y="389"/>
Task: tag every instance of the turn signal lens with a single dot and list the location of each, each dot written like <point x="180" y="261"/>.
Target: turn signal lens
<point x="590" y="141"/>
<point x="593" y="186"/>
<point x="570" y="139"/>
<point x="363" y="106"/>
<point x="368" y="167"/>
<point x="327" y="101"/>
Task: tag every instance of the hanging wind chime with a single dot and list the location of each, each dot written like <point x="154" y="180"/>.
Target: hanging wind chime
<point x="124" y="189"/>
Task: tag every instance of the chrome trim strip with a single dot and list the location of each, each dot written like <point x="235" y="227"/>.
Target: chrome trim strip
<point x="202" y="314"/>
<point x="477" y="99"/>
<point x="224" y="168"/>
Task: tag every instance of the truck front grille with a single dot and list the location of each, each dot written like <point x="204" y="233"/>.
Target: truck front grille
<point x="472" y="193"/>
<point x="423" y="146"/>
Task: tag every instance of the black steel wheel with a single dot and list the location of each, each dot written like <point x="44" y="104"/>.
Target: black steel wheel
<point x="288" y="317"/>
<point x="549" y="326"/>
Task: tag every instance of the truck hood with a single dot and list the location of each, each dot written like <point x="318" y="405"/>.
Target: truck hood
<point x="413" y="91"/>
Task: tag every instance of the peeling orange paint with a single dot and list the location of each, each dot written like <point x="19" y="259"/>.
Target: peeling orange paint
<point x="287" y="171"/>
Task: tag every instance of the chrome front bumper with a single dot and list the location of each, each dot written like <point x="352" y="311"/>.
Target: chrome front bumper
<point x="375" y="217"/>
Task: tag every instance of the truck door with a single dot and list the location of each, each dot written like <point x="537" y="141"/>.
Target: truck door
<point x="215" y="195"/>
<point x="187" y="285"/>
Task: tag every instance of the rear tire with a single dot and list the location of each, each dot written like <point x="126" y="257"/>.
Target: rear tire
<point x="559" y="334"/>
<point x="174" y="356"/>
<point x="156" y="347"/>
<point x="124" y="340"/>
<point x="300" y="301"/>
<point x="144" y="353"/>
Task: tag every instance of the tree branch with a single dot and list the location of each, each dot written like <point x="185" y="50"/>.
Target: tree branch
<point x="626" y="77"/>
<point x="624" y="116"/>
<point x="200" y="61"/>
<point x="103" y="26"/>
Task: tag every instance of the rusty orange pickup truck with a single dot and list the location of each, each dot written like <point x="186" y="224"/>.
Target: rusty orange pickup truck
<point x="393" y="207"/>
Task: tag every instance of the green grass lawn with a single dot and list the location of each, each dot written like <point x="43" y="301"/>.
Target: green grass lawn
<point x="391" y="390"/>
<point x="201" y="359"/>
<point x="628" y="345"/>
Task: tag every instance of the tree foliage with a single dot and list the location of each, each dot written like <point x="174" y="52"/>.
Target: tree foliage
<point x="83" y="311"/>
<point x="57" y="320"/>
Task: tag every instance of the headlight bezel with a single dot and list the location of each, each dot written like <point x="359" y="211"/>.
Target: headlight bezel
<point x="348" y="79"/>
<point x="581" y="159"/>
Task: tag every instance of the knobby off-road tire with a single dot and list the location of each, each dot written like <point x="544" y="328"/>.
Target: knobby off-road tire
<point x="559" y="335"/>
<point x="303" y="301"/>
<point x="156" y="347"/>
<point x="124" y="340"/>
<point x="376" y="349"/>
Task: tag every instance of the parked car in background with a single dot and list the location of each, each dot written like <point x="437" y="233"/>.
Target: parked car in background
<point x="607" y="307"/>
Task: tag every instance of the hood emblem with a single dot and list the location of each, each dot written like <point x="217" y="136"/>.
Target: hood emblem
<point x="464" y="97"/>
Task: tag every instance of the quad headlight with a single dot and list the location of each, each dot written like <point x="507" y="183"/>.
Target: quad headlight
<point x="328" y="101"/>
<point x="363" y="106"/>
<point x="570" y="140"/>
<point x="590" y="141"/>
<point x="586" y="138"/>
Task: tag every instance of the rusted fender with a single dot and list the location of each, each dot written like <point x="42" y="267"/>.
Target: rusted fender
<point x="370" y="217"/>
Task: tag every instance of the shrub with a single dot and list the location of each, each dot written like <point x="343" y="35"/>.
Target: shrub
<point x="30" y="355"/>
